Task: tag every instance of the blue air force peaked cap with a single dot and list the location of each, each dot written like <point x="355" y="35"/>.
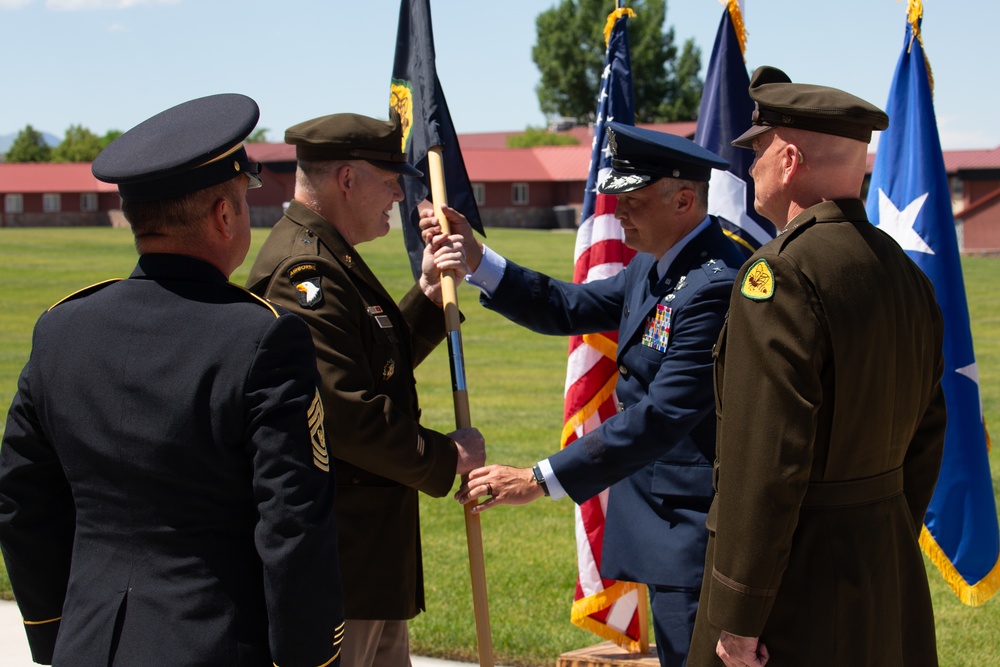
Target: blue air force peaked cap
<point x="780" y="103"/>
<point x="186" y="148"/>
<point x="640" y="157"/>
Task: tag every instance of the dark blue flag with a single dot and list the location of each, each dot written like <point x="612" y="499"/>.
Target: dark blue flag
<point x="909" y="198"/>
<point x="416" y="94"/>
<point x="725" y="112"/>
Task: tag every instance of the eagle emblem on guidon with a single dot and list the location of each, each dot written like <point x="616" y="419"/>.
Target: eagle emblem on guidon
<point x="401" y="99"/>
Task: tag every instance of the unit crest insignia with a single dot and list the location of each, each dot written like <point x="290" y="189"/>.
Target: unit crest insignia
<point x="759" y="282"/>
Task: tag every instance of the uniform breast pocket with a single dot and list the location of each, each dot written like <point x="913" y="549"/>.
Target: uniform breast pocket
<point x="644" y="360"/>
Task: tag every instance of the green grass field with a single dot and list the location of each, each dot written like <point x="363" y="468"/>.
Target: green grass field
<point x="515" y="383"/>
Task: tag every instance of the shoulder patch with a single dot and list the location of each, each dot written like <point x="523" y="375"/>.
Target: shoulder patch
<point x="758" y="284"/>
<point x="86" y="291"/>
<point x="308" y="284"/>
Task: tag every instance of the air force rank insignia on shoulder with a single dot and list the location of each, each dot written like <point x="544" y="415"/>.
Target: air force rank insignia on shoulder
<point x="308" y="284"/>
<point x="758" y="284"/>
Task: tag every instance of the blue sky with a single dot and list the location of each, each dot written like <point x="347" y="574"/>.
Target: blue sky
<point x="109" y="64"/>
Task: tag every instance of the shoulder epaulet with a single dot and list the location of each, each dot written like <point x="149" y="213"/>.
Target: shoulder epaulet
<point x="86" y="291"/>
<point x="257" y="299"/>
<point x="717" y="269"/>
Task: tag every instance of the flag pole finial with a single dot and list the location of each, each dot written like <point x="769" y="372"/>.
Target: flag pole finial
<point x="736" y="16"/>
<point x="613" y="18"/>
<point x="915" y="15"/>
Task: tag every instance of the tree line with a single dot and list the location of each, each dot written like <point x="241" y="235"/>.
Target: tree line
<point x="78" y="145"/>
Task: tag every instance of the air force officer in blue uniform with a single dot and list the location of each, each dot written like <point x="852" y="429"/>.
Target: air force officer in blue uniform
<point x="166" y="493"/>
<point x="668" y="305"/>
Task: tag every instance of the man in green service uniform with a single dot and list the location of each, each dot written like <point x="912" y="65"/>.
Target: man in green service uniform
<point x="832" y="417"/>
<point x="346" y="183"/>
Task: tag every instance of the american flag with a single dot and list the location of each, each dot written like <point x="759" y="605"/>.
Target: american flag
<point x="605" y="607"/>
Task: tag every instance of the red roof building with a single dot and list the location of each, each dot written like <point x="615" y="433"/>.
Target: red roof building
<point x="540" y="187"/>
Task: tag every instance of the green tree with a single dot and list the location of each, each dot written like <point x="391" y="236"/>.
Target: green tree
<point x="684" y="86"/>
<point x="259" y="136"/>
<point x="108" y="137"/>
<point x="29" y="146"/>
<point x="570" y="50"/>
<point x="536" y="136"/>
<point x="78" y="145"/>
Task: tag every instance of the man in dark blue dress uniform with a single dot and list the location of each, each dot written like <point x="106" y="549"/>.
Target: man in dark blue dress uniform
<point x="668" y="306"/>
<point x="166" y="493"/>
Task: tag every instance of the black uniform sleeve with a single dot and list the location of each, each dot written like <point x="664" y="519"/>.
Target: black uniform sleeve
<point x="37" y="520"/>
<point x="296" y="535"/>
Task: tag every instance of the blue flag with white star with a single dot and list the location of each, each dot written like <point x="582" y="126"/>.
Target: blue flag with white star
<point x="725" y="112"/>
<point x="909" y="198"/>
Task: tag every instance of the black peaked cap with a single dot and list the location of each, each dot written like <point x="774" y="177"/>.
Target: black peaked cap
<point x="189" y="147"/>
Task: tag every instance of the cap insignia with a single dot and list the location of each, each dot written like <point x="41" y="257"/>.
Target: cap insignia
<point x="616" y="182"/>
<point x="758" y="285"/>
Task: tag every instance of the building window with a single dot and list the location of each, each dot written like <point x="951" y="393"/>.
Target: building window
<point x="479" y="193"/>
<point x="520" y="193"/>
<point x="88" y="201"/>
<point x="13" y="204"/>
<point x="51" y="202"/>
<point x="957" y="188"/>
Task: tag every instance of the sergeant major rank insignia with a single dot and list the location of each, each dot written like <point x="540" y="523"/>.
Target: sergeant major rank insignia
<point x="758" y="284"/>
<point x="321" y="457"/>
<point x="308" y="284"/>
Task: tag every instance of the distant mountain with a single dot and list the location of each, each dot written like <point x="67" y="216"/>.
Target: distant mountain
<point x="7" y="139"/>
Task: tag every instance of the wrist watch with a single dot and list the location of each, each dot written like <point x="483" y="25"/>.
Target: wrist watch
<point x="540" y="479"/>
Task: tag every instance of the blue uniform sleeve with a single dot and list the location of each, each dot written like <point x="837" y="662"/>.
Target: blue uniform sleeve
<point x="677" y="400"/>
<point x="554" y="307"/>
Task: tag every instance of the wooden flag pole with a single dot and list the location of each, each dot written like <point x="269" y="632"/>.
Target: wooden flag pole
<point x="463" y="419"/>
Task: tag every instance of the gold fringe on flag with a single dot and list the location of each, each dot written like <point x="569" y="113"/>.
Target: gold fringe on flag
<point x="736" y="16"/>
<point x="914" y="14"/>
<point x="974" y="595"/>
<point x="584" y="607"/>
<point x="612" y="18"/>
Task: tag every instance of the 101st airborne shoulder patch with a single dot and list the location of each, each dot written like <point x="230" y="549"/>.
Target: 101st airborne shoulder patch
<point x="308" y="284"/>
<point x="758" y="284"/>
<point x="321" y="457"/>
